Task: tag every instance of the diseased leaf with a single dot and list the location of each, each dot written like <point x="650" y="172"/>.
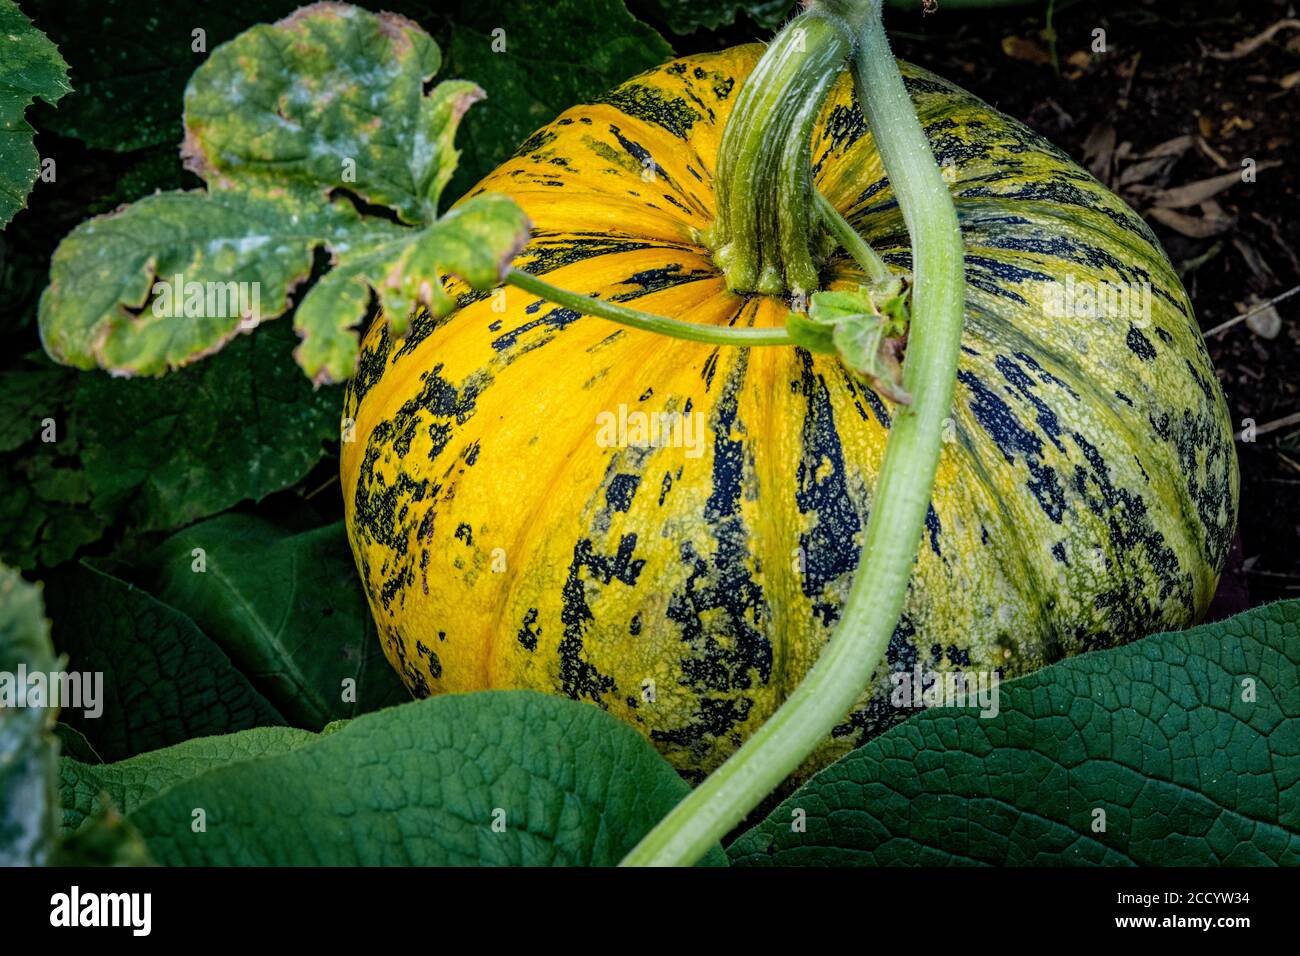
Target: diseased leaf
<point x="1188" y="742"/>
<point x="165" y="452"/>
<point x="286" y="608"/>
<point x="101" y="308"/>
<point x="288" y="105"/>
<point x="30" y="69"/>
<point x="129" y="783"/>
<point x="29" y="750"/>
<point x="405" y="270"/>
<point x="164" y="681"/>
<point x="424" y="784"/>
<point x="307" y="133"/>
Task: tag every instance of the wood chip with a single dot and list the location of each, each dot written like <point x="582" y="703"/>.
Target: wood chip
<point x="1193" y="194"/>
<point x="1277" y="423"/>
<point x="1254" y="260"/>
<point x="1026" y="50"/>
<point x="1266" y="322"/>
<point x="1157" y="168"/>
<point x="1193" y="227"/>
<point x="1170" y="147"/>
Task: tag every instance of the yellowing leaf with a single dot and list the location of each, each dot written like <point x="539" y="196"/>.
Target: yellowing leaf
<point x="315" y="135"/>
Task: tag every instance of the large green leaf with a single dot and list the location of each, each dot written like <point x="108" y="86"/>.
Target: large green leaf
<point x="129" y="783"/>
<point x="535" y="61"/>
<point x="30" y="68"/>
<point x="286" y="608"/>
<point x="29" y="751"/>
<point x="313" y="134"/>
<point x="164" y="680"/>
<point x="496" y="777"/>
<point x="1182" y="749"/>
<point x="241" y="426"/>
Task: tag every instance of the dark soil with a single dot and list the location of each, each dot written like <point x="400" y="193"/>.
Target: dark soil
<point x="1156" y="81"/>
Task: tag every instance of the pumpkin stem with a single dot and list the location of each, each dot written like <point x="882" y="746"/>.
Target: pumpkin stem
<point x="844" y="672"/>
<point x="675" y="328"/>
<point x="767" y="221"/>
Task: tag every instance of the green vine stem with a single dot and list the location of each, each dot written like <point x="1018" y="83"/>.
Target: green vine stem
<point x="868" y="259"/>
<point x="844" y="670"/>
<point x="692" y="331"/>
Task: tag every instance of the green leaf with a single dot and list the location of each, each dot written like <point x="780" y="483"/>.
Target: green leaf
<point x="424" y="784"/>
<point x="286" y="608"/>
<point x="687" y="16"/>
<point x="164" y="681"/>
<point x="1189" y="742"/>
<point x="536" y="60"/>
<point x="289" y="124"/>
<point x="241" y="426"/>
<point x="29" y="751"/>
<point x="863" y="327"/>
<point x="31" y="68"/>
<point x="73" y="743"/>
<point x="129" y="783"/>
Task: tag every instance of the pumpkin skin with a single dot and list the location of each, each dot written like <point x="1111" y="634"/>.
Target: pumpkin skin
<point x="1086" y="493"/>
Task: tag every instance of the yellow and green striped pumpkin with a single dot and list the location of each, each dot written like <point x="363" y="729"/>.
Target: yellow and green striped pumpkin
<point x="1086" y="493"/>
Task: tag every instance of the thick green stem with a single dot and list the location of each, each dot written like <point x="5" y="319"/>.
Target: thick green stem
<point x="763" y="235"/>
<point x="845" y="669"/>
<point x="709" y="334"/>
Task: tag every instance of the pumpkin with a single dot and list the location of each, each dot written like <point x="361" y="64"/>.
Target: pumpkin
<point x="541" y="499"/>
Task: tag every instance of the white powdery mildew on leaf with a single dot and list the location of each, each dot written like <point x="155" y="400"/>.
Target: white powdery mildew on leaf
<point x="289" y="124"/>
